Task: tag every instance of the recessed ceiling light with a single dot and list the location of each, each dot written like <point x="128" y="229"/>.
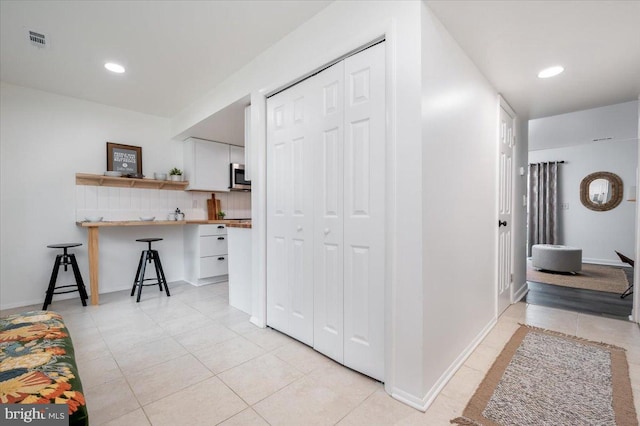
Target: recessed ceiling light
<point x="114" y="67"/>
<point x="550" y="72"/>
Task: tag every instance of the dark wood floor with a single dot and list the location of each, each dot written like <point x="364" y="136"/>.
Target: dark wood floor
<point x="587" y="301"/>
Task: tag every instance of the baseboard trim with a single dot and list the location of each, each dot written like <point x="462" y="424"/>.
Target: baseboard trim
<point x="607" y="262"/>
<point x="521" y="293"/>
<point x="423" y="403"/>
<point x="67" y="296"/>
<point x="257" y="322"/>
<point x="410" y="400"/>
<point x="206" y="281"/>
<point x="27" y="303"/>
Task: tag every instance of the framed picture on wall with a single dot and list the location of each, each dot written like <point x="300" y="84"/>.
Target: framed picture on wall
<point x="124" y="158"/>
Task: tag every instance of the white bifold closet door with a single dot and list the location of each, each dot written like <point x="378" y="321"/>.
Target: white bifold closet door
<point x="325" y="211"/>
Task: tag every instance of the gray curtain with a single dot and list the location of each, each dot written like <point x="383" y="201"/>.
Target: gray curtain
<point x="543" y="204"/>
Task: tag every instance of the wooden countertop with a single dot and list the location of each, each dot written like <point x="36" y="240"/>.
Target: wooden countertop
<point x="131" y="223"/>
<point x="246" y="225"/>
<point x="235" y="223"/>
<point x="228" y="222"/>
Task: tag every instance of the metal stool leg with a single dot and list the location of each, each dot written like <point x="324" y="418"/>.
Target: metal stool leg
<point x="52" y="282"/>
<point x="160" y="272"/>
<point x="627" y="292"/>
<point x="79" y="282"/>
<point x="155" y="257"/>
<point x="135" y="281"/>
<point x="141" y="281"/>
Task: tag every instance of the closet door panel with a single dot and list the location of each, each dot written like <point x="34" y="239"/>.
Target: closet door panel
<point x="278" y="211"/>
<point x="328" y="222"/>
<point x="364" y="201"/>
<point x="301" y="224"/>
<point x="290" y="214"/>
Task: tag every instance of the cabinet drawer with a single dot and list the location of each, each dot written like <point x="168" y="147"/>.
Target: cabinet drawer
<point x="211" y="245"/>
<point x="213" y="229"/>
<point x="213" y="265"/>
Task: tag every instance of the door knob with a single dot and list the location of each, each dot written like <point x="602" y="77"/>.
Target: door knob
<point x="326" y="231"/>
<point x="299" y="228"/>
<point x="502" y="223"/>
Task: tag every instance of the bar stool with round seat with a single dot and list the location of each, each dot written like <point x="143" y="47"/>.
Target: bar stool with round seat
<point x="65" y="260"/>
<point x="149" y="255"/>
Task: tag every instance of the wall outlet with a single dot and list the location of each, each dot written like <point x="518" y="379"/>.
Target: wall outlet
<point x="564" y="206"/>
<point x="194" y="204"/>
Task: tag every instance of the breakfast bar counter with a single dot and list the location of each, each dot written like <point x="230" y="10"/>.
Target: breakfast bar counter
<point x="93" y="244"/>
<point x="93" y="240"/>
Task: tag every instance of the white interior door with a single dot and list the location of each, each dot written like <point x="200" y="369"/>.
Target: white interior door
<point x="329" y="220"/>
<point x="364" y="198"/>
<point x="290" y="213"/>
<point x="505" y="216"/>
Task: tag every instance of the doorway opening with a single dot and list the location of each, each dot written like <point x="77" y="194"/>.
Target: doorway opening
<point x="598" y="285"/>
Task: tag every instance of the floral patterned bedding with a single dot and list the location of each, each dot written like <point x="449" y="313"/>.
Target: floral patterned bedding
<point x="37" y="364"/>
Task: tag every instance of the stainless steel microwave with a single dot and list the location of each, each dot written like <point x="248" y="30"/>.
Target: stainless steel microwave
<point x="237" y="179"/>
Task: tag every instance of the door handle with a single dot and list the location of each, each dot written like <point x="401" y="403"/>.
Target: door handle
<point x="221" y="238"/>
<point x="299" y="228"/>
<point x="502" y="223"/>
<point x="326" y="231"/>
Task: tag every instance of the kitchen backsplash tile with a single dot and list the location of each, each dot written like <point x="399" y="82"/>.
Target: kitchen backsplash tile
<point x="81" y="199"/>
<point x="130" y="203"/>
<point x="90" y="196"/>
<point x="125" y="199"/>
<point x="103" y="198"/>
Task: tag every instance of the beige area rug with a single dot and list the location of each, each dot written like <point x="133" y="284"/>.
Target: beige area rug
<point x="592" y="277"/>
<point x="544" y="378"/>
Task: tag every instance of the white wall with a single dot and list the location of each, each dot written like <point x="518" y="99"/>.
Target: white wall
<point x="597" y="233"/>
<point x="636" y="278"/>
<point x="44" y="140"/>
<point x="617" y="122"/>
<point x="434" y="313"/>
<point x="519" y="228"/>
<point x="459" y="202"/>
<point x="335" y="31"/>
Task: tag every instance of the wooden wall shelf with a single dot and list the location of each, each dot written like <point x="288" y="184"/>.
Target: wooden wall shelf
<point x="122" y="182"/>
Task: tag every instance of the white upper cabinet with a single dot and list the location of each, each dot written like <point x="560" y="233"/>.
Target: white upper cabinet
<point x="206" y="165"/>
<point x="248" y="165"/>
<point x="236" y="154"/>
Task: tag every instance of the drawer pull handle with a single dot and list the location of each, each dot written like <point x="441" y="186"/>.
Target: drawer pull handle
<point x="220" y="226"/>
<point x="221" y="238"/>
<point x="221" y="258"/>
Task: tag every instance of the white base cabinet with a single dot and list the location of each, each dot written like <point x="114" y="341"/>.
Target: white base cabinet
<point x="240" y="268"/>
<point x="206" y="254"/>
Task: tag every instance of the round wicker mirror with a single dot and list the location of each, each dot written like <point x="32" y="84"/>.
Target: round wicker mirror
<point x="601" y="191"/>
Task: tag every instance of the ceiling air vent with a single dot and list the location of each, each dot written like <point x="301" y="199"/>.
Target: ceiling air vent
<point x="602" y="139"/>
<point x="37" y="39"/>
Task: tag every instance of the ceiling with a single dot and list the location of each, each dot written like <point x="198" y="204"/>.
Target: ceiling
<point x="597" y="42"/>
<point x="175" y="51"/>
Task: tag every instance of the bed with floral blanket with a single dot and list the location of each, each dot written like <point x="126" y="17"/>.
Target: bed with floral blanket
<point x="37" y="364"/>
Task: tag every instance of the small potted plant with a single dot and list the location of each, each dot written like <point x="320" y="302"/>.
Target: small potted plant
<point x="221" y="215"/>
<point x="175" y="174"/>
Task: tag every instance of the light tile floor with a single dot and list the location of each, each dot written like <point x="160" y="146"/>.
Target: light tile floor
<point x="192" y="359"/>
